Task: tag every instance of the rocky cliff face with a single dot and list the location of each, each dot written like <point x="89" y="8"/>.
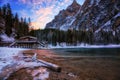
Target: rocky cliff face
<point x="93" y="14"/>
<point x="65" y="18"/>
<point x="98" y="14"/>
<point x="102" y="17"/>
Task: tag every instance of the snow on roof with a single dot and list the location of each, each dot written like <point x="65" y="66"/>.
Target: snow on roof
<point x="28" y="37"/>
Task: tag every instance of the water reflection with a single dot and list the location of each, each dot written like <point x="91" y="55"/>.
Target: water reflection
<point x="88" y="52"/>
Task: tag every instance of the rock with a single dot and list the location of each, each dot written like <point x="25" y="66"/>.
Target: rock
<point x="71" y="75"/>
<point x="65" y="17"/>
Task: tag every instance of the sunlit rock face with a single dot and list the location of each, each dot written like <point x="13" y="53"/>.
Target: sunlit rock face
<point x="93" y="14"/>
<point x="102" y="17"/>
<point x="65" y="18"/>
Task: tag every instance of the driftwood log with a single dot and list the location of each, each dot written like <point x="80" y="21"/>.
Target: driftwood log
<point x="8" y="70"/>
<point x="51" y="66"/>
<point x="48" y="65"/>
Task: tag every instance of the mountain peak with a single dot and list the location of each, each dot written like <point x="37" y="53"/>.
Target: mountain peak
<point x="74" y="6"/>
<point x="65" y="16"/>
<point x="74" y="3"/>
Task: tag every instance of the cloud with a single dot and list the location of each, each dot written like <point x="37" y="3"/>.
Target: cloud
<point x="24" y="13"/>
<point x="46" y="14"/>
<point x="43" y="11"/>
<point x="23" y="1"/>
<point x="40" y="11"/>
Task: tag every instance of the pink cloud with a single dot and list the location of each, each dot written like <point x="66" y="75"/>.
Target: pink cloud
<point x="45" y="17"/>
<point x="42" y="15"/>
<point x="23" y="1"/>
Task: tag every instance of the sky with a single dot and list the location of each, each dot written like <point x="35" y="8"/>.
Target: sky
<point x="40" y="11"/>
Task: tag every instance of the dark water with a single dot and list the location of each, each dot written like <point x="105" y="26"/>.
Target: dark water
<point x="89" y="52"/>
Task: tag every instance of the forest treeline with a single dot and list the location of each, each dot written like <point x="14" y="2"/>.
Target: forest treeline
<point x="14" y="26"/>
<point x="74" y="37"/>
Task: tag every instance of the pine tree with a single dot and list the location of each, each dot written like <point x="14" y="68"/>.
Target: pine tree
<point x="9" y="20"/>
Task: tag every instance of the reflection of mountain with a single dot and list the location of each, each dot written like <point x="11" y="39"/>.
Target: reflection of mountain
<point x="93" y="15"/>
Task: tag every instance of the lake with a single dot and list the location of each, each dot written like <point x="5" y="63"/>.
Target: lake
<point x="101" y="52"/>
<point x="77" y="63"/>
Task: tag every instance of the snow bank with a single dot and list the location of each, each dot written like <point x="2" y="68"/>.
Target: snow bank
<point x="5" y="38"/>
<point x="83" y="45"/>
<point x="9" y="52"/>
<point x="6" y="56"/>
<point x="12" y="60"/>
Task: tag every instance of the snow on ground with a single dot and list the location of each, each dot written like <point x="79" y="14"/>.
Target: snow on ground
<point x="43" y="74"/>
<point x="9" y="52"/>
<point x="12" y="59"/>
<point x="5" y="38"/>
<point x="6" y="56"/>
<point x="83" y="45"/>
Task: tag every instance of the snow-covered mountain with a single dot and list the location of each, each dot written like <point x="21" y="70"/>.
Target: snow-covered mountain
<point x="99" y="14"/>
<point x="65" y="18"/>
<point x="101" y="18"/>
<point x="92" y="15"/>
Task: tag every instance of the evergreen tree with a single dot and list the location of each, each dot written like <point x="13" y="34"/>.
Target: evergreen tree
<point x="12" y="22"/>
<point x="9" y="19"/>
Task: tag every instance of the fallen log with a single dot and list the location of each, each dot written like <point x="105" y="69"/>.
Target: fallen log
<point x="51" y="66"/>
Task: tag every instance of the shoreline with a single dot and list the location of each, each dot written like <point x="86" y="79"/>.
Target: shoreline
<point x="75" y="68"/>
<point x="81" y="68"/>
<point x="49" y="47"/>
<point x="83" y="46"/>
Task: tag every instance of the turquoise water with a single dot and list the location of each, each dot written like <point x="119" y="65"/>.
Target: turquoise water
<point x="89" y="52"/>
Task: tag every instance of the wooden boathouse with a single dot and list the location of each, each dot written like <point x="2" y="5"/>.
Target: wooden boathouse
<point x="5" y="44"/>
<point x="27" y="42"/>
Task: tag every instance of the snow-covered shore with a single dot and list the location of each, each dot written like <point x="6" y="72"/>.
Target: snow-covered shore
<point x="6" y="56"/>
<point x="11" y="60"/>
<point x="82" y="45"/>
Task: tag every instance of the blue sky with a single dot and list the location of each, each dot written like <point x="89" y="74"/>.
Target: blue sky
<point x="40" y="11"/>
